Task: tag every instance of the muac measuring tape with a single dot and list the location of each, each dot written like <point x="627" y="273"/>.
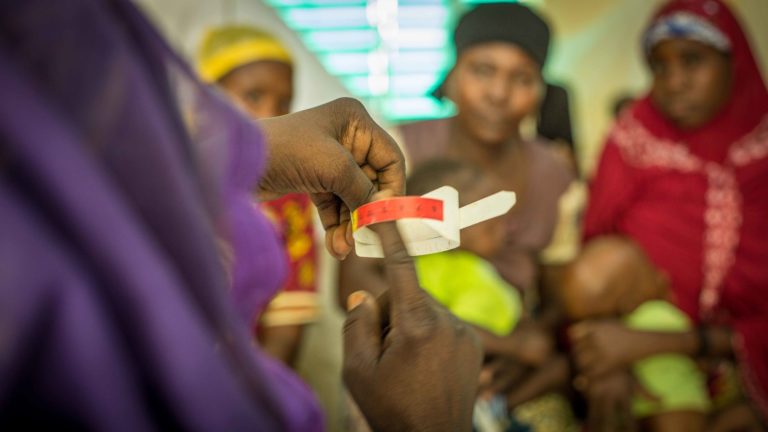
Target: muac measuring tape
<point x="428" y="224"/>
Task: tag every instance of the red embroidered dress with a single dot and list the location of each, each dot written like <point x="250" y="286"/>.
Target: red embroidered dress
<point x="697" y="200"/>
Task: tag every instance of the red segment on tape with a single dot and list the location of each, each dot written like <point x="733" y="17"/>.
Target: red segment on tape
<point x="397" y="208"/>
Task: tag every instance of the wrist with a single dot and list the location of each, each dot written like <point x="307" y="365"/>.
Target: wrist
<point x="721" y="341"/>
<point x="642" y="345"/>
<point x="653" y="343"/>
<point x="691" y="343"/>
<point x="508" y="346"/>
<point x="704" y="344"/>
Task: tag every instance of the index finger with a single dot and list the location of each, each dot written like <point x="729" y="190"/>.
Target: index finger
<point x="409" y="304"/>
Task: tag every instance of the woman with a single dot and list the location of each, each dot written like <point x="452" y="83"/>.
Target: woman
<point x="496" y="84"/>
<point x="685" y="174"/>
<point x="256" y="71"/>
<point x="115" y="309"/>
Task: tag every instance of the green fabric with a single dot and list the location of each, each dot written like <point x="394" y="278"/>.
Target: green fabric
<point x="471" y="289"/>
<point x="674" y="379"/>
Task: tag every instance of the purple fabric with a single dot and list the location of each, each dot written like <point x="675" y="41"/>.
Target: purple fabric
<point x="117" y="168"/>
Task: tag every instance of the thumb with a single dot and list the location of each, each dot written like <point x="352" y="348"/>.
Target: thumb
<point x="351" y="184"/>
<point x="362" y="337"/>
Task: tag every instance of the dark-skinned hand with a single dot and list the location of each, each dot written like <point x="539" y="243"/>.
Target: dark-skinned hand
<point x="500" y="375"/>
<point x="339" y="155"/>
<point x="409" y="364"/>
<point x="601" y="347"/>
<point x="609" y="401"/>
<point x="552" y="375"/>
<point x="529" y="343"/>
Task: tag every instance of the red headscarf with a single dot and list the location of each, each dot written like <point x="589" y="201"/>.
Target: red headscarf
<point x="749" y="98"/>
<point x="697" y="200"/>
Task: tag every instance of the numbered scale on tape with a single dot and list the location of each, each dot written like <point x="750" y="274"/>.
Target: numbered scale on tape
<point x="428" y="224"/>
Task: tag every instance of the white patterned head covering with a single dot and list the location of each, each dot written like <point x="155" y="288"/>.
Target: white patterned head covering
<point x="685" y="25"/>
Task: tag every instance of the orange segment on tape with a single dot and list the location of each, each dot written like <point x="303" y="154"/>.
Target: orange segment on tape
<point x="397" y="208"/>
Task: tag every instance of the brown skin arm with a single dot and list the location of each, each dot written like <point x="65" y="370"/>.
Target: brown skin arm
<point x="528" y="344"/>
<point x="609" y="403"/>
<point x="600" y="347"/>
<point x="282" y="342"/>
<point x="676" y="421"/>
<point x="738" y="417"/>
<point x="552" y="375"/>
<point x="551" y="314"/>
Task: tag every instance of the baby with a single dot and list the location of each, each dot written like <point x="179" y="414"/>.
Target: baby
<point x="613" y="278"/>
<point x="463" y="280"/>
<point x="466" y="283"/>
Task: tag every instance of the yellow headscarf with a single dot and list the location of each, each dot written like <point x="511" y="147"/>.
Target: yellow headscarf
<point x="225" y="48"/>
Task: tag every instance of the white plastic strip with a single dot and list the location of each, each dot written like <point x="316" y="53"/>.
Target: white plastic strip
<point x="428" y="224"/>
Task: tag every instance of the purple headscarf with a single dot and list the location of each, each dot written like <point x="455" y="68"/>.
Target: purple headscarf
<point x="117" y="168"/>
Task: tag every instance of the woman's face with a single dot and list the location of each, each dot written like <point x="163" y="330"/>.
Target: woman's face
<point x="264" y="88"/>
<point x="494" y="85"/>
<point x="691" y="81"/>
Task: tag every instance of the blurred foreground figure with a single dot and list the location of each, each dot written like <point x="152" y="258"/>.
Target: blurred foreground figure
<point x="119" y="171"/>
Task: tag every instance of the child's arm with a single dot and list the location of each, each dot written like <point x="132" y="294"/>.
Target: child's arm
<point x="601" y="347"/>
<point x="552" y="375"/>
<point x="528" y="343"/>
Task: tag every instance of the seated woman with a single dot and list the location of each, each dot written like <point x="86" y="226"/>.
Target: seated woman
<point x="256" y="71"/>
<point x="496" y="84"/>
<point x="685" y="175"/>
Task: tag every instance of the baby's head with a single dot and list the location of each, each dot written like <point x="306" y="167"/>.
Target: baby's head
<point x="484" y="239"/>
<point x="611" y="277"/>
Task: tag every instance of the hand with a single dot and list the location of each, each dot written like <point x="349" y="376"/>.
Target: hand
<point x="609" y="401"/>
<point x="601" y="347"/>
<point x="534" y="344"/>
<point x="500" y="375"/>
<point x="551" y="376"/>
<point x="339" y="155"/>
<point x="529" y="343"/>
<point x="409" y="364"/>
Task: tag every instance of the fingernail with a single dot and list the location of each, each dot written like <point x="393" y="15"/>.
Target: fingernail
<point x="355" y="299"/>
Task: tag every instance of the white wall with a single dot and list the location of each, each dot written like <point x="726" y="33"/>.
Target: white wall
<point x="184" y="21"/>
